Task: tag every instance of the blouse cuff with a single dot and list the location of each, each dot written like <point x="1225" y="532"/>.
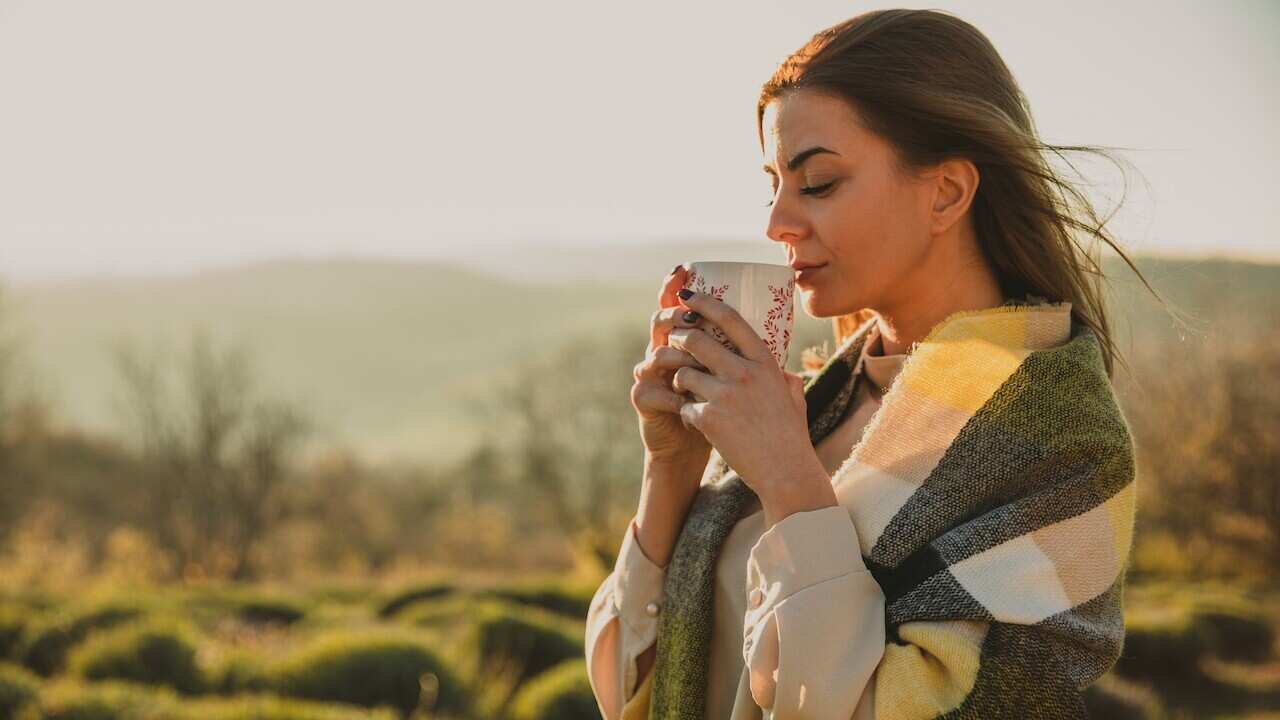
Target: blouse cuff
<point x="805" y="548"/>
<point x="637" y="587"/>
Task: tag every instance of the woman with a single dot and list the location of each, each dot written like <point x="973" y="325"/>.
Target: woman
<point x="934" y="523"/>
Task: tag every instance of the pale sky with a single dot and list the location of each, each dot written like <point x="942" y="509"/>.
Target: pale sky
<point x="162" y="135"/>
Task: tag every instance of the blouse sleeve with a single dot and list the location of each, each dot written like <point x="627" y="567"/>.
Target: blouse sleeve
<point x="814" y="626"/>
<point x="814" y="640"/>
<point x="622" y="623"/>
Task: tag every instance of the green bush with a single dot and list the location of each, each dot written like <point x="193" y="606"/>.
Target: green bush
<point x="368" y="669"/>
<point x="1234" y="629"/>
<point x="248" y="603"/>
<point x="1163" y="646"/>
<point x="118" y="700"/>
<point x="264" y="706"/>
<point x="18" y="688"/>
<point x="238" y="671"/>
<point x="45" y="643"/>
<point x="509" y="644"/>
<point x="153" y="653"/>
<point x="561" y="693"/>
<point x="409" y="596"/>
<point x="112" y="700"/>
<point x="270" y="610"/>
<point x="452" y="610"/>
<point x="564" y="599"/>
<point x="13" y="620"/>
<point x="1113" y="698"/>
<point x="534" y="639"/>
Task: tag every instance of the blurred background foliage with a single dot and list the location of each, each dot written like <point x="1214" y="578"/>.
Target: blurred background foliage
<point x="220" y="527"/>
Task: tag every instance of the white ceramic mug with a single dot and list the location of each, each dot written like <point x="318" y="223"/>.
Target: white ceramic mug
<point x="762" y="293"/>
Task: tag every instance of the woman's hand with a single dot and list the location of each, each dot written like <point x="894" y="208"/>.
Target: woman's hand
<point x="667" y="439"/>
<point x="753" y="411"/>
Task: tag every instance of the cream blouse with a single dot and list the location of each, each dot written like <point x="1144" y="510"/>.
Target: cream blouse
<point x="782" y="601"/>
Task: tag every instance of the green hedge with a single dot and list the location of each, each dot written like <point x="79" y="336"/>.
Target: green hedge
<point x="507" y="645"/>
<point x="1163" y="646"/>
<point x="270" y="610"/>
<point x="449" y="611"/>
<point x="571" y="600"/>
<point x="1113" y="698"/>
<point x="273" y="707"/>
<point x="46" y="641"/>
<point x="112" y="700"/>
<point x="561" y="693"/>
<point x="414" y="594"/>
<point x="1234" y="628"/>
<point x="533" y="639"/>
<point x="238" y="671"/>
<point x="13" y="623"/>
<point x="18" y="688"/>
<point x="247" y="603"/>
<point x="368" y="669"/>
<point x="153" y="653"/>
<point x="119" y="700"/>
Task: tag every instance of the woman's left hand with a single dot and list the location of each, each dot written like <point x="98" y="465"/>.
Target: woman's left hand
<point x="754" y="412"/>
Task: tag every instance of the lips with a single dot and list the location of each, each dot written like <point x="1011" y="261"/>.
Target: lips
<point x="806" y="272"/>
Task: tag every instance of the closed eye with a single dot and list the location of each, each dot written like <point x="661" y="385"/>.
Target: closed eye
<point x="811" y="190"/>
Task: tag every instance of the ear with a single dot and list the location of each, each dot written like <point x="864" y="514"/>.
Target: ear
<point x="957" y="182"/>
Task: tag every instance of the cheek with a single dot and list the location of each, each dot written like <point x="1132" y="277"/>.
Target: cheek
<point x="873" y="237"/>
<point x="864" y="229"/>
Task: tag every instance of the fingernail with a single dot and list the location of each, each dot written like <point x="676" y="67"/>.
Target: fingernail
<point x="691" y="316"/>
<point x="685" y="293"/>
<point x="681" y="265"/>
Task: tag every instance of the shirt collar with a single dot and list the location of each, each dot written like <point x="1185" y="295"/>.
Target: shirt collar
<point x="880" y="369"/>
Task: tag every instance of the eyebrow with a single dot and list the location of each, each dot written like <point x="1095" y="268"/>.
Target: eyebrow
<point x="801" y="156"/>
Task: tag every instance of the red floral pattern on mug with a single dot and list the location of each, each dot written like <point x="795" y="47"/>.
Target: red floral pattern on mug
<point x="781" y="307"/>
<point x="698" y="284"/>
<point x="776" y="313"/>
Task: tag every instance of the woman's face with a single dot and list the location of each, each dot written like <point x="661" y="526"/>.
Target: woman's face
<point x="843" y="205"/>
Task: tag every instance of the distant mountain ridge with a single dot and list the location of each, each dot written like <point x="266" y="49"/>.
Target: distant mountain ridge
<point x="386" y="354"/>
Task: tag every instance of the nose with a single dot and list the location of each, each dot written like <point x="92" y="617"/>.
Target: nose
<point x="786" y="225"/>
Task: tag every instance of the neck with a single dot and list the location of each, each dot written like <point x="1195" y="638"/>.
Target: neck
<point x="952" y="281"/>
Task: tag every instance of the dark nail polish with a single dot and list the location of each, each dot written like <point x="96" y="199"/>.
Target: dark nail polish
<point x="691" y="316"/>
<point x="673" y="272"/>
<point x="685" y="293"/>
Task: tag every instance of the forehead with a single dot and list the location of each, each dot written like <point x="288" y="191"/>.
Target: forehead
<point x="801" y="119"/>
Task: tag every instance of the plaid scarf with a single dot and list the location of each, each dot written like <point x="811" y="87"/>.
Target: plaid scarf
<point x="994" y="483"/>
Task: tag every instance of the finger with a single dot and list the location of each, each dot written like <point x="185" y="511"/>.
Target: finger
<point x="663" y="361"/>
<point x="656" y="398"/>
<point x="731" y="323"/>
<point x="693" y="415"/>
<point x="673" y="317"/>
<point x="707" y="350"/>
<point x="667" y="298"/>
<point x="693" y="380"/>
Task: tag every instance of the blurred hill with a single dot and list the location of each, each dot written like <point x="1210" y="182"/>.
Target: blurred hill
<point x="389" y="355"/>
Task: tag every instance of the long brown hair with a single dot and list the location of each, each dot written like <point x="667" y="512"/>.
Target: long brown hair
<point x="935" y="88"/>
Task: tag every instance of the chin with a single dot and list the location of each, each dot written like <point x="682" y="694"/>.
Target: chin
<point x="812" y="304"/>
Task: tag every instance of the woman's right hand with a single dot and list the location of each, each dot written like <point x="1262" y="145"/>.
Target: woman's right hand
<point x="666" y="439"/>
